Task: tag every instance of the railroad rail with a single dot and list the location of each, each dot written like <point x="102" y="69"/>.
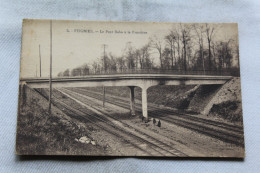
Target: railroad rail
<point x="219" y="130"/>
<point x="137" y="139"/>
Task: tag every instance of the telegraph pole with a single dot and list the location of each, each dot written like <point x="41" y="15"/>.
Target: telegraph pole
<point x="50" y="82"/>
<point x="40" y="60"/>
<point x="104" y="57"/>
<point x="104" y="62"/>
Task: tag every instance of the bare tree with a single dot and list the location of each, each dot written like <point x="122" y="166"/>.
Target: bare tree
<point x="130" y="55"/>
<point x="157" y="44"/>
<point x="112" y="63"/>
<point x="228" y="53"/>
<point x="200" y="30"/>
<point x="85" y="70"/>
<point x="144" y="57"/>
<point x="121" y="63"/>
<point x="210" y="31"/>
<point x="170" y="40"/>
<point x="214" y="54"/>
<point x="186" y="38"/>
<point x="76" y="72"/>
<point x="177" y="34"/>
<point x="60" y="74"/>
<point x="225" y="55"/>
<point x="95" y="67"/>
<point x="66" y="72"/>
<point x="167" y="59"/>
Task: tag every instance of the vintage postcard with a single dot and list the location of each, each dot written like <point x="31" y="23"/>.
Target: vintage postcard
<point x="130" y="89"/>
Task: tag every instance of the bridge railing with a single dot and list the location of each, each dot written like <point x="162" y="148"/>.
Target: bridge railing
<point x="232" y="72"/>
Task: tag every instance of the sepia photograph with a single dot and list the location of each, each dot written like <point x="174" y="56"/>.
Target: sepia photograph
<point x="92" y="88"/>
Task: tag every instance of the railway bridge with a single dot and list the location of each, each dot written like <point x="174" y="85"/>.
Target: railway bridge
<point x="144" y="81"/>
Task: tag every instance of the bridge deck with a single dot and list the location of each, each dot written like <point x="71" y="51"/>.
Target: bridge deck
<point x="128" y="76"/>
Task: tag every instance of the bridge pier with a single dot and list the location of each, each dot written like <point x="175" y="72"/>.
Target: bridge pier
<point x="144" y="103"/>
<point x="132" y="100"/>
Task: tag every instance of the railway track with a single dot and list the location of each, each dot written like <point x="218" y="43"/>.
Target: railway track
<point x="146" y="144"/>
<point x="222" y="131"/>
<point x="125" y="103"/>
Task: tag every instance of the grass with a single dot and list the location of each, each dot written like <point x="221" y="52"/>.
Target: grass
<point x="41" y="133"/>
<point x="229" y="110"/>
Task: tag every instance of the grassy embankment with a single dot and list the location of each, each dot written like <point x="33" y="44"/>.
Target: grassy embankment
<point x="171" y="96"/>
<point x="227" y="107"/>
<point x="41" y="133"/>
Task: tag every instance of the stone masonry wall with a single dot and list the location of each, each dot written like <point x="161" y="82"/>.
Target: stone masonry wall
<point x="208" y="95"/>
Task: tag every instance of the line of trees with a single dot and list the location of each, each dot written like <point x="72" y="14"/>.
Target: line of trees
<point x="186" y="47"/>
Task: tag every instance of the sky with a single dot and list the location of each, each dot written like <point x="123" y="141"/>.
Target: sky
<point x="75" y="43"/>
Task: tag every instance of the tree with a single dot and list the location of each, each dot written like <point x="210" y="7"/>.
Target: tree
<point x="95" y="66"/>
<point x="157" y="44"/>
<point x="167" y="59"/>
<point x="112" y="63"/>
<point x="170" y="40"/>
<point x="200" y="30"/>
<point x="121" y="63"/>
<point x="85" y="70"/>
<point x="129" y="54"/>
<point x="177" y="34"/>
<point x="76" y="72"/>
<point x="225" y="55"/>
<point x="210" y="31"/>
<point x="186" y="38"/>
<point x="144" y="57"/>
<point x="66" y="72"/>
<point x="105" y="63"/>
<point x="214" y="55"/>
<point x="60" y="74"/>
